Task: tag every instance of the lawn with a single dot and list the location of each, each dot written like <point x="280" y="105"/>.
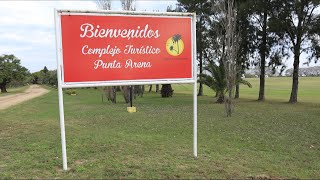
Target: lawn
<point x="272" y="139"/>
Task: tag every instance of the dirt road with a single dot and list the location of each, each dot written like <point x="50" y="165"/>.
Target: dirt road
<point x="32" y="92"/>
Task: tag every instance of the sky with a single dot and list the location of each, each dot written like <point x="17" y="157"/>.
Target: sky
<point x="27" y="28"/>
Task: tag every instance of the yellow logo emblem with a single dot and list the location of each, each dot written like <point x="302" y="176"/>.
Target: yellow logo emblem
<point x="175" y="45"/>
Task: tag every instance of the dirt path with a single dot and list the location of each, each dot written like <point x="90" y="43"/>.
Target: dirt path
<point x="32" y="92"/>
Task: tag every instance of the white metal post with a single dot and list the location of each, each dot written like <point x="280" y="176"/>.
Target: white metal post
<point x="60" y="93"/>
<point x="195" y="103"/>
<point x="62" y="127"/>
<point x="195" y="121"/>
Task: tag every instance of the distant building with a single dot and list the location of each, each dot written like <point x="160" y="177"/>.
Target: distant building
<point x="309" y="71"/>
<point x="255" y="72"/>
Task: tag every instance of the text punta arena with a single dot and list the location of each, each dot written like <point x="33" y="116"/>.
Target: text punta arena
<point x="115" y="64"/>
<point x="90" y="31"/>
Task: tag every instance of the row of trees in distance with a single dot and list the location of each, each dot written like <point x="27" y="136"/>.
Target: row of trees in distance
<point x="13" y="74"/>
<point x="233" y="35"/>
<point x="263" y="33"/>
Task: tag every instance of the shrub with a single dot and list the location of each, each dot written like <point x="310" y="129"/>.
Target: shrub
<point x="71" y="92"/>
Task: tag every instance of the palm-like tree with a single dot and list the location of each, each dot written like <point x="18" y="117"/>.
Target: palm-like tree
<point x="216" y="80"/>
<point x="176" y="38"/>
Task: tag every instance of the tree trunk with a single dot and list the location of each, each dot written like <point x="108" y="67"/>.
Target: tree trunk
<point x="295" y="79"/>
<point x="150" y="89"/>
<point x="228" y="100"/>
<point x="297" y="48"/>
<point x="111" y="93"/>
<point x="237" y="93"/>
<point x="157" y="88"/>
<point x="142" y="90"/>
<point x="200" y="93"/>
<point x="263" y="57"/>
<point x="220" y="99"/>
<point x="126" y="93"/>
<point x="3" y="87"/>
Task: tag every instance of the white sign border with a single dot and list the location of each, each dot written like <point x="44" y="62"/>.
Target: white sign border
<point x="64" y="84"/>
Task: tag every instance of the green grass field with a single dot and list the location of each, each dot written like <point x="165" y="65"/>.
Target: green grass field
<point x="273" y="139"/>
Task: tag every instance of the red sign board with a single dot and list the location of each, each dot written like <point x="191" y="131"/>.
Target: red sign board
<point x="115" y="47"/>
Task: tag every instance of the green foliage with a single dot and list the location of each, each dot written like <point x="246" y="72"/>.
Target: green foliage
<point x="204" y="11"/>
<point x="11" y="70"/>
<point x="70" y="92"/>
<point x="45" y="76"/>
<point x="244" y="82"/>
<point x="166" y="91"/>
<point x="296" y="24"/>
<point x="216" y="80"/>
<point x="269" y="31"/>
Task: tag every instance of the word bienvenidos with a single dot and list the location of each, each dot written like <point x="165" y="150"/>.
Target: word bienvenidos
<point x="90" y="31"/>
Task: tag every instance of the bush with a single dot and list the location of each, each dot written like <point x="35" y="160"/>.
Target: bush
<point x="166" y="90"/>
<point x="71" y="92"/>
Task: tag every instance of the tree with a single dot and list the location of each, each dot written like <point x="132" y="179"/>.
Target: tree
<point x="247" y="36"/>
<point x="52" y="78"/>
<point x="262" y="18"/>
<point x="296" y="23"/>
<point x="128" y="5"/>
<point x="104" y="4"/>
<point x="166" y="90"/>
<point x="216" y="80"/>
<point x="45" y="74"/>
<point x="45" y="70"/>
<point x="35" y="77"/>
<point x="231" y="43"/>
<point x="10" y="69"/>
<point x="111" y="93"/>
<point x="203" y="9"/>
<point x="264" y="42"/>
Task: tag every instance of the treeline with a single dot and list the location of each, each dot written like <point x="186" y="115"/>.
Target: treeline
<point x="45" y="76"/>
<point x="13" y="74"/>
<point x="260" y="33"/>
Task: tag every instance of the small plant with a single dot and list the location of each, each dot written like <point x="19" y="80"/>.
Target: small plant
<point x="71" y="92"/>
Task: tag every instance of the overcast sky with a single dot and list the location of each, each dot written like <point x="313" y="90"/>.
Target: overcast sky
<point x="27" y="27"/>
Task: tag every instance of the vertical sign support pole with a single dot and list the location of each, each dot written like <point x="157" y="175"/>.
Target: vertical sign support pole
<point x="195" y="121"/>
<point x="195" y="68"/>
<point x="60" y="93"/>
<point x="130" y="96"/>
<point x="62" y="127"/>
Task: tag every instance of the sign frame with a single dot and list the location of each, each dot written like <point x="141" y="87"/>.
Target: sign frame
<point x="122" y="82"/>
<point x="60" y="73"/>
